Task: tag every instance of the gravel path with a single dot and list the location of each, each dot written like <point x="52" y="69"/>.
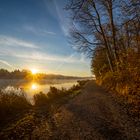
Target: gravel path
<point x="93" y="115"/>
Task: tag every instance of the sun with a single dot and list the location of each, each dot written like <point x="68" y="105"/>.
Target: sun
<point x="34" y="71"/>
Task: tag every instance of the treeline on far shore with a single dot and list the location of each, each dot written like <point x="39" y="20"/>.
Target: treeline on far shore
<point x="27" y="74"/>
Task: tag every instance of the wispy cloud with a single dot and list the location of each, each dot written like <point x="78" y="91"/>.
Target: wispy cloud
<point x="15" y="42"/>
<point x="56" y="58"/>
<point x="38" y="31"/>
<point x="6" y="63"/>
<point x="56" y="10"/>
<point x="61" y="15"/>
<point x="74" y="59"/>
<point x="41" y="56"/>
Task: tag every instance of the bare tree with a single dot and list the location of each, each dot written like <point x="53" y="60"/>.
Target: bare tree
<point x="89" y="26"/>
<point x="110" y="24"/>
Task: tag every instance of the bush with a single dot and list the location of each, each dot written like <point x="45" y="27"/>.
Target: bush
<point x="41" y="99"/>
<point x="81" y="83"/>
<point x="55" y="96"/>
<point x="11" y="104"/>
<point x="54" y="93"/>
<point x="127" y="84"/>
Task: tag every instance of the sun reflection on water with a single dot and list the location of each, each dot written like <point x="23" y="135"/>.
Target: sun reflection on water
<point x="34" y="86"/>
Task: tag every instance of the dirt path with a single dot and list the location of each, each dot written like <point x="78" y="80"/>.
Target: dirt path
<point x="92" y="115"/>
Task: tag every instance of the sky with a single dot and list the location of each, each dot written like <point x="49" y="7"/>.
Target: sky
<point x="33" y="34"/>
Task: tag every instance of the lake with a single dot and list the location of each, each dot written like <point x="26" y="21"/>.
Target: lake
<point x="34" y="87"/>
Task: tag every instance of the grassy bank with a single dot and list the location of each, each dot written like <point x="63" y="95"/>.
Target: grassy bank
<point x="123" y="79"/>
<point x="127" y="87"/>
<point x="19" y="117"/>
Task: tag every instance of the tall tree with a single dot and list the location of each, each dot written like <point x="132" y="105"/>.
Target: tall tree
<point x="94" y="26"/>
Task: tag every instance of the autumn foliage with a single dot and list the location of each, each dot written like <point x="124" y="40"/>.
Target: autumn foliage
<point x="109" y="32"/>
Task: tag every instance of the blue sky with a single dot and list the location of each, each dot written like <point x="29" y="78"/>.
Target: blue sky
<point x="33" y="34"/>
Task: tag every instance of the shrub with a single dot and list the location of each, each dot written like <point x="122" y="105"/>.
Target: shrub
<point x="11" y="104"/>
<point x="41" y="99"/>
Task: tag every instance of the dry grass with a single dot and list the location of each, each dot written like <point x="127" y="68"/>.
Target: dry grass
<point x="11" y="105"/>
<point x="15" y="108"/>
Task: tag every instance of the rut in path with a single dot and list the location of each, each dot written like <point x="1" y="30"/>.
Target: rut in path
<point x="92" y="115"/>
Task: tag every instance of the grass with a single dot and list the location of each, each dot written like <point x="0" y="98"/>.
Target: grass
<point x="19" y="116"/>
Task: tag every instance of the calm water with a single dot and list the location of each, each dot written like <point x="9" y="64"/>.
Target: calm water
<point x="34" y="87"/>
